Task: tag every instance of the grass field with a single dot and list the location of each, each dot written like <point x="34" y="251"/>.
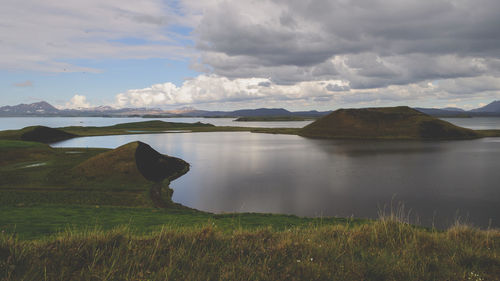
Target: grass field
<point x="383" y="250"/>
<point x="43" y="220"/>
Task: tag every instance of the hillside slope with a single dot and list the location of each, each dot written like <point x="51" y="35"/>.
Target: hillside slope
<point x="37" y="134"/>
<point x="132" y="162"/>
<point x="399" y="122"/>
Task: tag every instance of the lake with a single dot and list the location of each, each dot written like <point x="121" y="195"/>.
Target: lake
<point x="438" y="181"/>
<point x="14" y="123"/>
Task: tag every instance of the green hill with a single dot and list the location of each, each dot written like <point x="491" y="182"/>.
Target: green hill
<point x="37" y="133"/>
<point x="131" y="175"/>
<point x="132" y="162"/>
<point x="133" y="165"/>
<point x="399" y="122"/>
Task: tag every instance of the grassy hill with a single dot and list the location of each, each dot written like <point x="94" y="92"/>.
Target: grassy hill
<point x="37" y="133"/>
<point x="384" y="123"/>
<point x="35" y="173"/>
<point x="133" y="162"/>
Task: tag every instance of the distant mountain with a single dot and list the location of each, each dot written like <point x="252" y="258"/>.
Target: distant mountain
<point x="45" y="109"/>
<point x="100" y="108"/>
<point x="442" y="112"/>
<point x="261" y="112"/>
<point x="493" y="107"/>
<point x="38" y="108"/>
<point x="453" y="109"/>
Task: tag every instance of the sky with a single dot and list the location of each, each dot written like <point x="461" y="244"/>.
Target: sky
<point x="233" y="54"/>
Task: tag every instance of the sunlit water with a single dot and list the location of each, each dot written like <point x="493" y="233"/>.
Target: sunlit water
<point x="438" y="182"/>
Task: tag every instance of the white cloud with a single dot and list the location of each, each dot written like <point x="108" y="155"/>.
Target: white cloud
<point x="216" y="92"/>
<point x="77" y="102"/>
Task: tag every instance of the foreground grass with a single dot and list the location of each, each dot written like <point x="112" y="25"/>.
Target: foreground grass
<point x="36" y="222"/>
<point x="384" y="250"/>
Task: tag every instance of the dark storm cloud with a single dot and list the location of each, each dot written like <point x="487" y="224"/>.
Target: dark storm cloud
<point x="370" y="44"/>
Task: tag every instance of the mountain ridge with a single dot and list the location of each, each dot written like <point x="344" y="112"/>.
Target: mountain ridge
<point x="43" y="108"/>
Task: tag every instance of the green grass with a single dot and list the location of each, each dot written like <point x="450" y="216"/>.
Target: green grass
<point x="43" y="220"/>
<point x="10" y="144"/>
<point x="384" y="250"/>
<point x="33" y="173"/>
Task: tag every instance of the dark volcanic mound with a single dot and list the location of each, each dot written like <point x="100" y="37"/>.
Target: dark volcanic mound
<point x="155" y="166"/>
<point x="44" y="134"/>
<point x="133" y="162"/>
<point x="399" y="122"/>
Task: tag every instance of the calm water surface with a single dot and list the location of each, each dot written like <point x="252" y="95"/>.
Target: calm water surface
<point x="245" y="172"/>
<point x="12" y="123"/>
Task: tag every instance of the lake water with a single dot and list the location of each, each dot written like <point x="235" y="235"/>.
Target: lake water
<point x="437" y="181"/>
<point x="245" y="172"/>
<point x="13" y="123"/>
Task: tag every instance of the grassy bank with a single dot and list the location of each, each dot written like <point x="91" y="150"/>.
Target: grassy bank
<point x="34" y="173"/>
<point x="384" y="250"/>
<point x="43" y="220"/>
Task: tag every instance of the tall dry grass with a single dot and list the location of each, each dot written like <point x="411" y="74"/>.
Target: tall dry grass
<point x="387" y="249"/>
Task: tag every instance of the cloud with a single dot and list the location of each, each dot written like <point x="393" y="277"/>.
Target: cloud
<point x="217" y="92"/>
<point x="77" y="102"/>
<point x="199" y="90"/>
<point x="299" y="53"/>
<point x="370" y="44"/>
<point x="50" y="36"/>
<point x="337" y="88"/>
<point x="27" y="83"/>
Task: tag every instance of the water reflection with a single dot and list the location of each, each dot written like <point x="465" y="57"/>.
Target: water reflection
<point x="245" y="172"/>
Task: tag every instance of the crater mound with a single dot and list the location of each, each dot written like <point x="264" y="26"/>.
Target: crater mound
<point x="44" y="134"/>
<point x="133" y="162"/>
<point x="400" y="122"/>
